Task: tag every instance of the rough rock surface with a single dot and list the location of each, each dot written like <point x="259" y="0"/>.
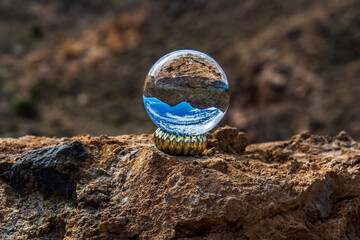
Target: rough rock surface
<point x="305" y="188"/>
<point x="46" y="170"/>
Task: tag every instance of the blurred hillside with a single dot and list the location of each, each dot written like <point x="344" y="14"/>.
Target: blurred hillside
<point x="72" y="67"/>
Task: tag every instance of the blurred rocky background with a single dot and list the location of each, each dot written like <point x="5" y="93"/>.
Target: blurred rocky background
<point x="73" y="67"/>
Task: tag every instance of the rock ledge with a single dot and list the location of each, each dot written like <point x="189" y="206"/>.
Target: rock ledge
<point x="121" y="187"/>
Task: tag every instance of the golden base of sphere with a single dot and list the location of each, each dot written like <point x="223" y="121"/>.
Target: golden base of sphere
<point x="179" y="144"/>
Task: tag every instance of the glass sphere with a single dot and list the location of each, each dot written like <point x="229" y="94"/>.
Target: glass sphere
<point x="186" y="92"/>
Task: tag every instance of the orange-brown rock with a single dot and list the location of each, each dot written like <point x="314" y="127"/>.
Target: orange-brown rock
<point x="305" y="188"/>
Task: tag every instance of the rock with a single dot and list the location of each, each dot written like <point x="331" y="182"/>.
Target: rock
<point x="345" y="138"/>
<point x="229" y="140"/>
<point x="305" y="188"/>
<point x="46" y="170"/>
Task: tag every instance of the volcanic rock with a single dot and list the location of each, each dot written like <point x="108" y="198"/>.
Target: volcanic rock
<point x="307" y="187"/>
<point x="47" y="170"/>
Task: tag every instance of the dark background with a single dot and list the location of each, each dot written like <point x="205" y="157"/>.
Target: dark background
<point x="73" y="67"/>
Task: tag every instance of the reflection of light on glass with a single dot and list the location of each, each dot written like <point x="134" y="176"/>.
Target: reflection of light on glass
<point x="182" y="118"/>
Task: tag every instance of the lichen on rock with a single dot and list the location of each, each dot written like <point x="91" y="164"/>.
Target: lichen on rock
<point x="307" y="187"/>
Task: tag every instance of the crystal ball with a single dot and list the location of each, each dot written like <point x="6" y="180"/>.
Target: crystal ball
<point x="186" y="92"/>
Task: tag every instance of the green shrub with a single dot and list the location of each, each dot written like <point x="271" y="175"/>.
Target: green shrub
<point x="37" y="32"/>
<point x="26" y="108"/>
